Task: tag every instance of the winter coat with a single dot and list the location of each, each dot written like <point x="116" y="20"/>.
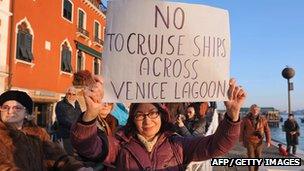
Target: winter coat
<point x="30" y="149"/>
<point x="66" y="115"/>
<point x="290" y="126"/>
<point x="254" y="134"/>
<point x="171" y="152"/>
<point x="196" y="127"/>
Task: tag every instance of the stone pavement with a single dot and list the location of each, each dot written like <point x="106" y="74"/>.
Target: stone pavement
<point x="272" y="152"/>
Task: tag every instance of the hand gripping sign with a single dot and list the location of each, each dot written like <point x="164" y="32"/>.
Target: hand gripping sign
<point x="158" y="51"/>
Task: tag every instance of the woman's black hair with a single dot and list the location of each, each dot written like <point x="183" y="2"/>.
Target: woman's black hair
<point x="196" y="115"/>
<point x="130" y="128"/>
<point x="198" y="120"/>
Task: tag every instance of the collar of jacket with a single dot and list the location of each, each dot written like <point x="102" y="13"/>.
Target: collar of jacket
<point x="250" y="116"/>
<point x="122" y="137"/>
<point x="65" y="100"/>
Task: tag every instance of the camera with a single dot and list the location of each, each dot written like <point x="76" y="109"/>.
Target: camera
<point x="182" y="117"/>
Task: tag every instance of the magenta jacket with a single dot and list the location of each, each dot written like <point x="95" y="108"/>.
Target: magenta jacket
<point x="171" y="152"/>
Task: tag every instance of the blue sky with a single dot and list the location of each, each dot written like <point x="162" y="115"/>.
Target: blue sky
<point x="265" y="37"/>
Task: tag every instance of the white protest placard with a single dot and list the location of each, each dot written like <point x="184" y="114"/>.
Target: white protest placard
<point x="157" y="51"/>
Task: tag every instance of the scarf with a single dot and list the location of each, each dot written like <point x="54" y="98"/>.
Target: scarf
<point x="148" y="144"/>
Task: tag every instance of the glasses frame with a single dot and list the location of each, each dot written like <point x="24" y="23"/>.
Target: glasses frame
<point x="148" y="114"/>
<point x="14" y="108"/>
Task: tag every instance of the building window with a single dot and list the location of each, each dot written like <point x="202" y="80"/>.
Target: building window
<point x="97" y="33"/>
<point x="80" y="61"/>
<point x="82" y="23"/>
<point x="66" y="58"/>
<point x="81" y="17"/>
<point x="67" y="10"/>
<point x="96" y="66"/>
<point x="24" y="43"/>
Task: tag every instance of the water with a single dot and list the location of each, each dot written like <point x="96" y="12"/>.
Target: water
<point x="279" y="135"/>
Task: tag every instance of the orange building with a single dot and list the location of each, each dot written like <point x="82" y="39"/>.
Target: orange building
<point x="50" y="40"/>
<point x="4" y="35"/>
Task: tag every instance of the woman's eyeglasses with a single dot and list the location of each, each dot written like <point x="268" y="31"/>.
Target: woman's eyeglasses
<point x="71" y="94"/>
<point x="6" y="108"/>
<point x="141" y="116"/>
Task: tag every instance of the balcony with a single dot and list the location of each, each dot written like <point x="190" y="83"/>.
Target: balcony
<point x="99" y="41"/>
<point x="83" y="31"/>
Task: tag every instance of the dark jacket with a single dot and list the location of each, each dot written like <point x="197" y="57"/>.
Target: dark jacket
<point x="171" y="152"/>
<point x="30" y="149"/>
<point x="254" y="134"/>
<point x="196" y="127"/>
<point x="66" y="115"/>
<point x="290" y="126"/>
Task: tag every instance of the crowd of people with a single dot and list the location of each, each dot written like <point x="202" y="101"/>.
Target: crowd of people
<point x="156" y="136"/>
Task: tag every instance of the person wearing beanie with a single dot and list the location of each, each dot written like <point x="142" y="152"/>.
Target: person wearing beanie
<point x="23" y="144"/>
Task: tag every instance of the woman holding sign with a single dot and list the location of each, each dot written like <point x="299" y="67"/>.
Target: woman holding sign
<point x="146" y="142"/>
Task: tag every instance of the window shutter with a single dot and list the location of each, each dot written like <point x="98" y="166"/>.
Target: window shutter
<point x="23" y="53"/>
<point x="80" y="18"/>
<point x="96" y="30"/>
<point x="20" y="44"/>
<point x="18" y="50"/>
<point x="79" y="61"/>
<point x="28" y="47"/>
<point x="96" y="67"/>
<point x="63" y="59"/>
<point x="68" y="59"/>
<point x="67" y="10"/>
<point x="65" y="62"/>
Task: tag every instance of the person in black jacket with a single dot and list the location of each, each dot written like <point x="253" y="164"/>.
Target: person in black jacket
<point x="67" y="112"/>
<point x="291" y="128"/>
<point x="192" y="125"/>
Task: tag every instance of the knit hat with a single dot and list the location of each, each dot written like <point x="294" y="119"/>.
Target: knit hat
<point x="20" y="96"/>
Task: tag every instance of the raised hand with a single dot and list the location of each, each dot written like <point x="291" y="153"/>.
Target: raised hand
<point x="179" y="121"/>
<point x="236" y="96"/>
<point x="93" y="95"/>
